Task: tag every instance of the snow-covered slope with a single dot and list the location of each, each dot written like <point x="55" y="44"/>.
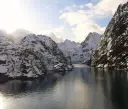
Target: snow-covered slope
<point x="80" y="52"/>
<point x="33" y="56"/>
<point x="113" y="49"/>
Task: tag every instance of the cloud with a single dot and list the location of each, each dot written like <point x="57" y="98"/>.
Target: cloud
<point x="74" y="18"/>
<point x="81" y="23"/>
<point x="71" y="8"/>
<point x="82" y="30"/>
<point x="108" y="6"/>
<point x="57" y="34"/>
<point x="55" y="38"/>
<point x="89" y="5"/>
<point x="82" y="18"/>
<point x="18" y="34"/>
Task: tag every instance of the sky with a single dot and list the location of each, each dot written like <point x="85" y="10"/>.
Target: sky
<point x="63" y="19"/>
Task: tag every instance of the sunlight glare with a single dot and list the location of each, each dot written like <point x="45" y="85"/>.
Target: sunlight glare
<point x="12" y="15"/>
<point x="1" y="102"/>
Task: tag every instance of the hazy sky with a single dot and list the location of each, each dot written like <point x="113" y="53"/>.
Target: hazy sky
<point x="71" y="19"/>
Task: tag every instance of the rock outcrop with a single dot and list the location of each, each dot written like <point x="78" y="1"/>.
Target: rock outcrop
<point x="113" y="48"/>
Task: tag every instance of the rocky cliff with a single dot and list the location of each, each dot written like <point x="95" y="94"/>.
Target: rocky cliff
<point x="113" y="49"/>
<point x="32" y="57"/>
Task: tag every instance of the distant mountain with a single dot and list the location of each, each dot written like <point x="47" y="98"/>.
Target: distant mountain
<point x="72" y="49"/>
<point x="90" y="44"/>
<point x="32" y="57"/>
<point x="80" y="52"/>
<point x="113" y="49"/>
<point x="91" y="41"/>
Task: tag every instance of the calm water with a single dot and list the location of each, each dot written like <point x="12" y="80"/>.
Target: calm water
<point x="82" y="88"/>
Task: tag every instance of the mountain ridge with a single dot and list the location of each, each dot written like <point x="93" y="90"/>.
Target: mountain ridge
<point x="80" y="52"/>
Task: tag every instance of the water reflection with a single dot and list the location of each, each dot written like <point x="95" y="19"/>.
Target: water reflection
<point x="82" y="88"/>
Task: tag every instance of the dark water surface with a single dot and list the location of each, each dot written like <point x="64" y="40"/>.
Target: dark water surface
<point x="82" y="88"/>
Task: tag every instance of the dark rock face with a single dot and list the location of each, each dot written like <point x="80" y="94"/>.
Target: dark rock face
<point x="113" y="49"/>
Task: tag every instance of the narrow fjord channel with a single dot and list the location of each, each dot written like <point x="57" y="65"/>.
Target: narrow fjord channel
<point x="82" y="88"/>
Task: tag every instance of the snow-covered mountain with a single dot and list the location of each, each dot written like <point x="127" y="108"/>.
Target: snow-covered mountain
<point x="113" y="49"/>
<point x="80" y="52"/>
<point x="92" y="40"/>
<point x="72" y="49"/>
<point x="90" y="44"/>
<point x="33" y="56"/>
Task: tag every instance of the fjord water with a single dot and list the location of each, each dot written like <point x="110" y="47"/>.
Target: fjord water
<point x="82" y="88"/>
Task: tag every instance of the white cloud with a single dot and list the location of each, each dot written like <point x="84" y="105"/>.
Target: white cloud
<point x="82" y="30"/>
<point x="108" y="6"/>
<point x="81" y="23"/>
<point x="55" y="38"/>
<point x="82" y="18"/>
<point x="74" y="18"/>
<point x="57" y="34"/>
<point x="89" y="5"/>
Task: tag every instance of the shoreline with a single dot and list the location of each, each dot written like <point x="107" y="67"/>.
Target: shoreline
<point x="5" y="78"/>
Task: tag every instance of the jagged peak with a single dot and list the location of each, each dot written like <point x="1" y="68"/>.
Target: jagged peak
<point x="91" y="34"/>
<point x="67" y="40"/>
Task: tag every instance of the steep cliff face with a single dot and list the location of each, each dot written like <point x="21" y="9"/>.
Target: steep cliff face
<point x="33" y="56"/>
<point x="113" y="49"/>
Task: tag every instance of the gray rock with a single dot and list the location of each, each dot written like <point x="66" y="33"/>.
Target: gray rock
<point x="32" y="57"/>
<point x="113" y="48"/>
